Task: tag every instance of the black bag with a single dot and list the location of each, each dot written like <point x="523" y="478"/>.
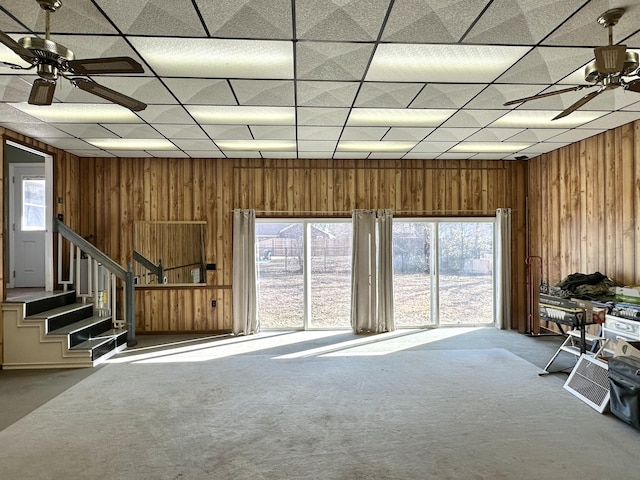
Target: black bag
<point x="624" y="387"/>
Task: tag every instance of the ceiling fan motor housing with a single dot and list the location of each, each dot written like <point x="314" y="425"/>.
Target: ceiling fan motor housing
<point x="631" y="63"/>
<point x="52" y="56"/>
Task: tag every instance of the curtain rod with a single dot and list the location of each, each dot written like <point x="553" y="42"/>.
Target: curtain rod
<point x="397" y="212"/>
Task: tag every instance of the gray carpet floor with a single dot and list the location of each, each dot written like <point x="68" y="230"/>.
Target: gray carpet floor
<point x="447" y="404"/>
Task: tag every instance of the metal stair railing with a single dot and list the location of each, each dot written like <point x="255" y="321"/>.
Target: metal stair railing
<point x="99" y="268"/>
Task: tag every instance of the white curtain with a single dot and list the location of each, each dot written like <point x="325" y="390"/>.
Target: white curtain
<point x="385" y="271"/>
<point x="245" y="316"/>
<point x="503" y="268"/>
<point x="371" y="272"/>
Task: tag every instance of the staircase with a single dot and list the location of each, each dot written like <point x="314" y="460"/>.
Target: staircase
<point x="57" y="331"/>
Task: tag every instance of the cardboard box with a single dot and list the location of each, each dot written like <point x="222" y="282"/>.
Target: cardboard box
<point x="593" y="314"/>
<point x="627" y="349"/>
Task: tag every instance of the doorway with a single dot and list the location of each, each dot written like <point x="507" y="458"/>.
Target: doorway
<point x="29" y="252"/>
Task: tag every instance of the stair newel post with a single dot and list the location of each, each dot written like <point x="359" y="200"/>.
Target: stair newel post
<point x="129" y="296"/>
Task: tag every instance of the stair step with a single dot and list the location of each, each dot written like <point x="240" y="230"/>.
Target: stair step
<point x="60" y="317"/>
<point x="49" y="301"/>
<point x="104" y="343"/>
<point x="85" y="329"/>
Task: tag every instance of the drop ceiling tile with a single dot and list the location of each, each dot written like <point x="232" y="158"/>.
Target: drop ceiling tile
<point x="216" y="58"/>
<point x="375" y="146"/>
<point x="543" y="119"/>
<point x="351" y="155"/>
<point x="540" y="148"/>
<point x="537" y="134"/>
<point x="317" y="145"/>
<point x="264" y="92"/>
<point x="431" y="21"/>
<point x="228" y="132"/>
<point x="243" y="154"/>
<point x="492" y="156"/>
<point x="199" y="91"/>
<point x="181" y="131"/>
<point x="495" y="96"/>
<point x="575" y="135"/>
<point x="90" y="153"/>
<point x="332" y="61"/>
<point x="612" y="120"/>
<point x="315" y="116"/>
<point x="7" y="55"/>
<point x="316" y="155"/>
<point x="242" y="115"/>
<point x="170" y="114"/>
<point x="168" y="154"/>
<point x="265" y="132"/>
<point x="13" y="88"/>
<point x="451" y="134"/>
<point x="396" y="117"/>
<point x="391" y="95"/>
<point x="449" y="156"/>
<point x="46" y="131"/>
<point x="583" y="27"/>
<point x="205" y="154"/>
<point x="124" y="130"/>
<point x="441" y="63"/>
<point x="286" y="155"/>
<point x="364" y="133"/>
<point x="386" y="155"/>
<point x="507" y="22"/>
<point x="194" y="145"/>
<point x="401" y="133"/>
<point x="68" y="143"/>
<point x="270" y="19"/>
<point x="326" y="94"/>
<point x="319" y="133"/>
<point x="134" y="153"/>
<point x="441" y="95"/>
<point x="355" y="20"/>
<point x="86" y="131"/>
<point x="77" y="113"/>
<point x="78" y="16"/>
<point x="494" y="147"/>
<point x="11" y="115"/>
<point x="545" y="65"/>
<point x="432" y="147"/>
<point x="9" y="25"/>
<point x="157" y="17"/>
<point x="493" y="134"/>
<point x="472" y="118"/>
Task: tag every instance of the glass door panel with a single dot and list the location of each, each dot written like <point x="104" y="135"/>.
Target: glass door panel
<point x="412" y="273"/>
<point x="330" y="278"/>
<point x="465" y="266"/>
<point x="280" y="257"/>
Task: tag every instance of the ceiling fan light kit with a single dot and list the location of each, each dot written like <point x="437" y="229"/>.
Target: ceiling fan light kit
<point x="611" y="64"/>
<point x="51" y="60"/>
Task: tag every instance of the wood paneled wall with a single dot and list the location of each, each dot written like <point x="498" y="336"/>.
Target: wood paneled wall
<point x="117" y="192"/>
<point x="585" y="207"/>
<point x="102" y="197"/>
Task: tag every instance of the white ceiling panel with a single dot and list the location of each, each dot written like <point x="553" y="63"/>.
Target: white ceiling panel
<point x="441" y="63"/>
<point x="216" y="58"/>
<point x="146" y="17"/>
<point x="316" y="74"/>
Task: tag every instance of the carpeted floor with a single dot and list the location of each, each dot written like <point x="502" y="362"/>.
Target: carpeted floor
<point x="445" y="404"/>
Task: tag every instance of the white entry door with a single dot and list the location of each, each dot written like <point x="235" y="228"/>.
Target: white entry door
<point x="28" y="225"/>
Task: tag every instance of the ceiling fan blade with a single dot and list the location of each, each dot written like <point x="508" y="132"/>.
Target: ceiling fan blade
<point x="96" y="66"/>
<point x="548" y="94"/>
<point x="587" y="98"/>
<point x="42" y="92"/>
<point x="610" y="58"/>
<point x="108" y="94"/>
<point x="18" y="49"/>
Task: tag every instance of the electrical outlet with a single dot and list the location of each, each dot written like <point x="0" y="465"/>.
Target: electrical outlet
<point x="214" y="303"/>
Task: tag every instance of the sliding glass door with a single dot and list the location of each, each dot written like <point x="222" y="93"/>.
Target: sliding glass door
<point x="304" y="273"/>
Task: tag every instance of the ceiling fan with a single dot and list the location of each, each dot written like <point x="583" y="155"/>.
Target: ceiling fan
<point x="611" y="64"/>
<point x="52" y="59"/>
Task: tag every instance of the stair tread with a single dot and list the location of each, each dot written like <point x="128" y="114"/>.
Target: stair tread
<point x="79" y="325"/>
<point x="58" y="311"/>
<point x="99" y="340"/>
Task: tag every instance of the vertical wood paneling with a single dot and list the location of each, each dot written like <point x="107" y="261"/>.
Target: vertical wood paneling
<point x="584" y="201"/>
